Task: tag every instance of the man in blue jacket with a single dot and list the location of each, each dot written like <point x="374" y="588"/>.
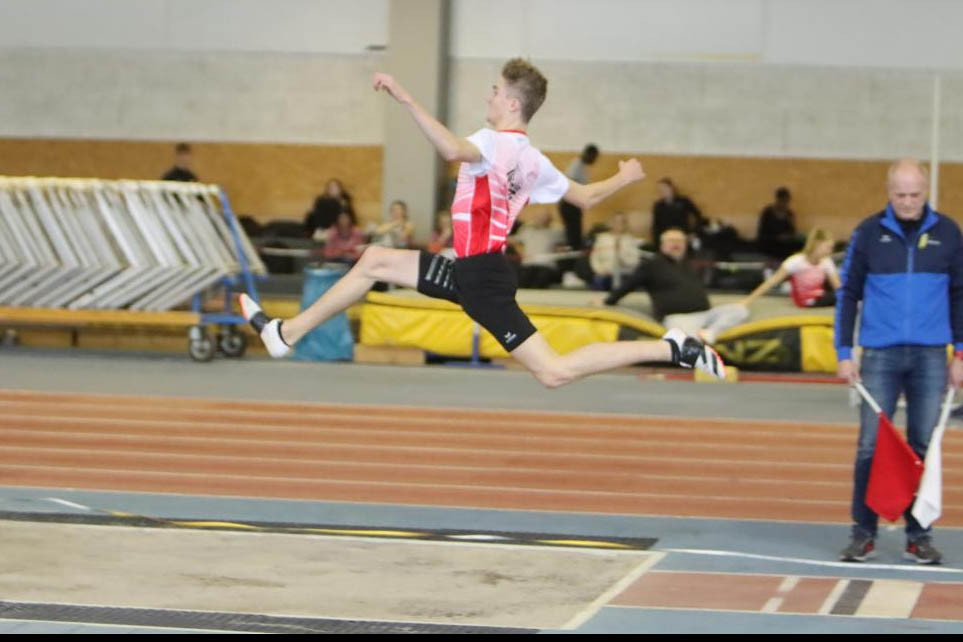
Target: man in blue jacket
<point x="906" y="265"/>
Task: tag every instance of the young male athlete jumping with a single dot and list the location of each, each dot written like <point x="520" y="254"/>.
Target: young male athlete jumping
<point x="500" y="173"/>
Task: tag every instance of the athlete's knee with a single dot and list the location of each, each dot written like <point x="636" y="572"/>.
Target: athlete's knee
<point x="374" y="260"/>
<point x="554" y="376"/>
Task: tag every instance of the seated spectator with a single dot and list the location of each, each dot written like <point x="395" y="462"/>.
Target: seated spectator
<point x="397" y="232"/>
<point x="674" y="211"/>
<point x="776" y="235"/>
<point x="343" y="240"/>
<point x="808" y="271"/>
<point x="539" y="267"/>
<point x="183" y="161"/>
<point x="615" y="254"/>
<point x="326" y="208"/>
<point x="718" y="240"/>
<point x="442" y="238"/>
<point x="679" y="298"/>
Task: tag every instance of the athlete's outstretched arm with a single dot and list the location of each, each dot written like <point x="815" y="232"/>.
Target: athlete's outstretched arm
<point x="587" y="196"/>
<point x="451" y="147"/>
<point x="774" y="280"/>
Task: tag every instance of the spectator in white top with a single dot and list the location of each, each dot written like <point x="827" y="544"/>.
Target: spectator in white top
<point x="398" y="231"/>
<point x="539" y="245"/>
<point x="615" y="254"/>
<point x="809" y="271"/>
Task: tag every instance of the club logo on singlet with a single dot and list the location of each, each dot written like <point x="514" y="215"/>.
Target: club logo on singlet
<point x="513" y="183"/>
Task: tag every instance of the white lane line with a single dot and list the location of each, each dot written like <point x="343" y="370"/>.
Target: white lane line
<point x="788" y="584"/>
<point x="70" y="504"/>
<point x="799" y="560"/>
<point x="589" y="611"/>
<point x="833" y="597"/>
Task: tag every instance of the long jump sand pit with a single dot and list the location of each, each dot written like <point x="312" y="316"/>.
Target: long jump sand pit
<point x="307" y="575"/>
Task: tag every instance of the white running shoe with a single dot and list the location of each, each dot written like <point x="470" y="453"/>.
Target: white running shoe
<point x="689" y="352"/>
<point x="267" y="328"/>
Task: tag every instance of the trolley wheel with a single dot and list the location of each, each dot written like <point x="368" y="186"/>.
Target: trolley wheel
<point x="199" y="345"/>
<point x="232" y="343"/>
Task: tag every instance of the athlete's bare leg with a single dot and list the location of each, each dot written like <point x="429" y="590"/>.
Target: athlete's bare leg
<point x="554" y="370"/>
<point x="398" y="267"/>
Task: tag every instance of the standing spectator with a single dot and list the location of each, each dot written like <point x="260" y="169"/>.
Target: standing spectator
<point x="808" y="272"/>
<point x="183" y="162"/>
<point x="539" y="243"/>
<point x="776" y="235"/>
<point x="679" y="298"/>
<point x="674" y="211"/>
<point x="615" y="254"/>
<point x="331" y="202"/>
<point x="344" y="242"/>
<point x="397" y="232"/>
<point x="906" y="266"/>
<point x="571" y="215"/>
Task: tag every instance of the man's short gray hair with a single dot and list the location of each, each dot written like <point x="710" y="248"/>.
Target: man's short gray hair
<point x="907" y="163"/>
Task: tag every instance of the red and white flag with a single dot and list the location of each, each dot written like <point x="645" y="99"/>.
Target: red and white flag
<point x="896" y="470"/>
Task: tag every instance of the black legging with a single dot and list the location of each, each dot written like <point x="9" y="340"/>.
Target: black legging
<point x="572" y="217"/>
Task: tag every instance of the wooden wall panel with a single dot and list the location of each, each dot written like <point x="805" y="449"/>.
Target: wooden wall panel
<point x="266" y="181"/>
<point x="270" y="181"/>
<point x="832" y="193"/>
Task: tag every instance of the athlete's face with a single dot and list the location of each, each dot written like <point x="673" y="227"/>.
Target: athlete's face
<point x="500" y="103"/>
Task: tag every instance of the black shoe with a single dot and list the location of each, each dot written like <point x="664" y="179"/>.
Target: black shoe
<point x="860" y="549"/>
<point x="922" y="552"/>
<point x="689" y="352"/>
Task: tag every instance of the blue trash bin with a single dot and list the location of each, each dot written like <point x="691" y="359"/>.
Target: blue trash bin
<point x="331" y="341"/>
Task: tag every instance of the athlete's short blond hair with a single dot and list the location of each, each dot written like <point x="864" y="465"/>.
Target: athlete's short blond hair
<point x="528" y="82"/>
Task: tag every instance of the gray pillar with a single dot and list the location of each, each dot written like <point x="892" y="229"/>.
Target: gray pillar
<point x="418" y="58"/>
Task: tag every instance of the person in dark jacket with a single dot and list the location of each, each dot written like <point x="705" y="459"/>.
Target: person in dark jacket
<point x="906" y="266"/>
<point x="679" y="298"/>
<point x="674" y="211"/>
<point x="776" y="234"/>
<point x="326" y="209"/>
<point x="183" y="161"/>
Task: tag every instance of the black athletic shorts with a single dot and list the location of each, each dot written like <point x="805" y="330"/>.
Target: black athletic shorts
<point x="484" y="286"/>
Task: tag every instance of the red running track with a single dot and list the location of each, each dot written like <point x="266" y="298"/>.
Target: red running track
<point x="599" y="463"/>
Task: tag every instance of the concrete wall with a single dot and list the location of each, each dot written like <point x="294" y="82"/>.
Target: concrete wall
<point x="298" y="70"/>
<point x="685" y="79"/>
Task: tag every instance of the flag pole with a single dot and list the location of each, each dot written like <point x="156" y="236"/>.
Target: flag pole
<point x="868" y="398"/>
<point x="947" y="408"/>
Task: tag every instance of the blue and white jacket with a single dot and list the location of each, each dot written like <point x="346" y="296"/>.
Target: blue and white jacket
<point x="911" y="288"/>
